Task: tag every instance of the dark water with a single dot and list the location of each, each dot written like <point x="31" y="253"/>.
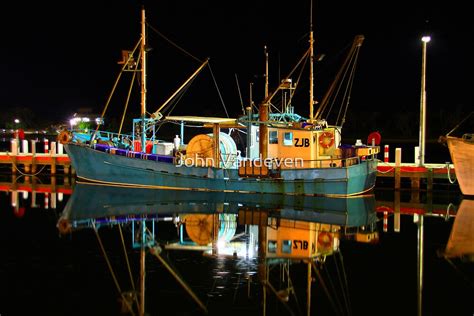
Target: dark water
<point x="46" y="272"/>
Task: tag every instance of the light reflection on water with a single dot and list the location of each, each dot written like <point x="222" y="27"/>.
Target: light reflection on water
<point x="368" y="262"/>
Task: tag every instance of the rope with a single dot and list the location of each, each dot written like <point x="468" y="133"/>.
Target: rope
<point x="217" y="88"/>
<point x="127" y="101"/>
<point x="240" y="96"/>
<point x="110" y="268"/>
<point x="285" y="304"/>
<point x="325" y="288"/>
<point x="128" y="265"/>
<point x="172" y="43"/>
<point x="349" y="89"/>
<point x="346" y="286"/>
<point x="285" y="271"/>
<point x="460" y="272"/>
<point x="389" y="170"/>
<point x="339" y="310"/>
<point x="24" y="173"/>
<point x="448" y="208"/>
<point x="449" y="174"/>
<point x="125" y="65"/>
<point x="459" y="123"/>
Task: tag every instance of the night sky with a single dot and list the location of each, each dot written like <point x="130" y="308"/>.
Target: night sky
<point x="59" y="57"/>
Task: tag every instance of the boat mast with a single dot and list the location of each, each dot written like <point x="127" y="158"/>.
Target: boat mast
<point x="264" y="116"/>
<point x="143" y="82"/>
<point x="311" y="56"/>
<point x="266" y="72"/>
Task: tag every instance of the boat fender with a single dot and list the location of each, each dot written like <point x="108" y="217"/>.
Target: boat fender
<point x="325" y="239"/>
<point x="64" y="137"/>
<point x="323" y="137"/>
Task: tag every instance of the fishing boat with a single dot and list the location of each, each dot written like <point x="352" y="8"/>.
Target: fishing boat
<point x="285" y="153"/>
<point x="461" y="150"/>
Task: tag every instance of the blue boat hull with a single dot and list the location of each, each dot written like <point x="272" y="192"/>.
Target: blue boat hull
<point x="98" y="201"/>
<point x="102" y="167"/>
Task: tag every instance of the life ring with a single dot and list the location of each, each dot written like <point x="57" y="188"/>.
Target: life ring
<point x="64" y="137"/>
<point x="325" y="239"/>
<point x="64" y="226"/>
<point x="323" y="139"/>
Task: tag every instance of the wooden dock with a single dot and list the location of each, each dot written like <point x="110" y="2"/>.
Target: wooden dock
<point x="33" y="163"/>
<point x="29" y="190"/>
<point x="31" y="184"/>
<point x="430" y="172"/>
<point x="395" y="207"/>
<point x="25" y="160"/>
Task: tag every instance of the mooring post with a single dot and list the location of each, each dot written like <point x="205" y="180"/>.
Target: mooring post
<point x="415" y="182"/>
<point x="33" y="156"/>
<point x="398" y="162"/>
<point x="396" y="212"/>
<point x="429" y="175"/>
<point x="13" y="153"/>
<point x="386" y="153"/>
<point x="52" y="154"/>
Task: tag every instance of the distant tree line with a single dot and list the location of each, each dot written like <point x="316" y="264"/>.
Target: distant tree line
<point x="403" y="124"/>
<point x="400" y="124"/>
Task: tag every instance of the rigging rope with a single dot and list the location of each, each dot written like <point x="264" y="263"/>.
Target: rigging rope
<point x="173" y="43"/>
<point x="128" y="265"/>
<point x="331" y="95"/>
<point x="459" y="123"/>
<point x="349" y="88"/>
<point x="117" y="285"/>
<point x="127" y="101"/>
<point x="346" y="286"/>
<point x="125" y="65"/>
<point x="333" y="288"/>
<point x="325" y="288"/>
<point x="218" y="91"/>
<point x="240" y="94"/>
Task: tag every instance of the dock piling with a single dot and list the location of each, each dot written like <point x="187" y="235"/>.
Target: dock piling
<point x="398" y="162"/>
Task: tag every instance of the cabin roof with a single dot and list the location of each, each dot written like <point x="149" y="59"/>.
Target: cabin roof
<point x="202" y="119"/>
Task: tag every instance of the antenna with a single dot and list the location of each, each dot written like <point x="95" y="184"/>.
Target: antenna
<point x="311" y="56"/>
<point x="240" y="94"/>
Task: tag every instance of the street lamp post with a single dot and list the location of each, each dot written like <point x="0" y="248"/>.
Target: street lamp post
<point x="424" y="40"/>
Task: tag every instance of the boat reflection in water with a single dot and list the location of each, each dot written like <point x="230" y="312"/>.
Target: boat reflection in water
<point x="461" y="240"/>
<point x="277" y="233"/>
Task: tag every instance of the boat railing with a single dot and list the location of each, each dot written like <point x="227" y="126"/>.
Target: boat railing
<point x="119" y="140"/>
<point x="87" y="135"/>
<point x="295" y="163"/>
<point x="271" y="167"/>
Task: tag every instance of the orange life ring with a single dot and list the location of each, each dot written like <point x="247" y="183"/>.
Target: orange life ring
<point x="325" y="239"/>
<point x="323" y="137"/>
<point x="64" y="137"/>
<point x="64" y="226"/>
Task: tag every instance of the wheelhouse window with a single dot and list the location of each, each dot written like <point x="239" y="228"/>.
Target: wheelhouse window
<point x="286" y="246"/>
<point x="288" y="138"/>
<point x="273" y="137"/>
<point x="272" y="246"/>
